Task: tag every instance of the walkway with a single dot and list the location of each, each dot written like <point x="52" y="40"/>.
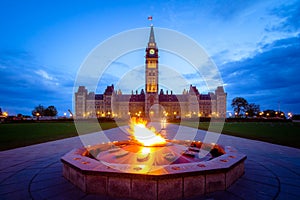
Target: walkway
<point x="35" y="172"/>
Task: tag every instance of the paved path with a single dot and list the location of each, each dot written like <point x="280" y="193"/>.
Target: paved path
<point x="35" y="172"/>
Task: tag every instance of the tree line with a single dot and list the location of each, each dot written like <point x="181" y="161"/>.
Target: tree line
<point x="40" y="110"/>
<point x="242" y="108"/>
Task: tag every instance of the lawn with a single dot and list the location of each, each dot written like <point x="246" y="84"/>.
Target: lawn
<point x="22" y="134"/>
<point x="284" y="133"/>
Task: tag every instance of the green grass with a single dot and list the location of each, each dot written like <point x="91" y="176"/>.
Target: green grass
<point x="22" y="134"/>
<point x="287" y="134"/>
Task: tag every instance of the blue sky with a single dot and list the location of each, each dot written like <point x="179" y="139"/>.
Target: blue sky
<point x="255" y="45"/>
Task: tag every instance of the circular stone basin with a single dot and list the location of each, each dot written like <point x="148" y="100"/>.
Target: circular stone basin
<point x="174" y="152"/>
<point x="180" y="169"/>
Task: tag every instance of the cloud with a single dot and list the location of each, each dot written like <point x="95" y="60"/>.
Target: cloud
<point x="24" y="84"/>
<point x="289" y="13"/>
<point x="269" y="76"/>
<point x="44" y="74"/>
<point x="227" y="10"/>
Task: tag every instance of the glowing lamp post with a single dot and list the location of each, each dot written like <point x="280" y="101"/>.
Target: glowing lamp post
<point x="5" y="114"/>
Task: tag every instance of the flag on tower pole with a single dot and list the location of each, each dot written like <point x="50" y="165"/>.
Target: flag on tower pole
<point x="150" y="18"/>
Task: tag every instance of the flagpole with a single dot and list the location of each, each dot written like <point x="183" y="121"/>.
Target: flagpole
<point x="150" y="19"/>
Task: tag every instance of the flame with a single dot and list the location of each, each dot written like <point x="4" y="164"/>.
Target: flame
<point x="140" y="133"/>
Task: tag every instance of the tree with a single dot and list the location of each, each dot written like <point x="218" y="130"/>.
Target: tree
<point x="50" y="111"/>
<point x="252" y="110"/>
<point x="0" y="111"/>
<point x="239" y="104"/>
<point x="38" y="111"/>
<point x="273" y="113"/>
<point x="42" y="111"/>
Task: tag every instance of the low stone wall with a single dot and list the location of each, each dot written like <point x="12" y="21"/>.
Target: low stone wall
<point x="176" y="181"/>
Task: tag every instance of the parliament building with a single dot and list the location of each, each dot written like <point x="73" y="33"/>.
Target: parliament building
<point x="150" y="102"/>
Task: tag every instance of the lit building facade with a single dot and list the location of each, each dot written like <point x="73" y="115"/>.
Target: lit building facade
<point x="150" y="102"/>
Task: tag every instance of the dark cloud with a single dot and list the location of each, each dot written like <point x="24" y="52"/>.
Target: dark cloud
<point x="290" y="15"/>
<point x="269" y="76"/>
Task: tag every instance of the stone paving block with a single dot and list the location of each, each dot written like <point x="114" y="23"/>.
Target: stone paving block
<point x="119" y="187"/>
<point x="221" y="195"/>
<point x="16" y="168"/>
<point x="54" y="182"/>
<point x="22" y="194"/>
<point x="290" y="181"/>
<point x="245" y="193"/>
<point x="284" y="196"/>
<point x="18" y="179"/>
<point x="14" y="187"/>
<point x="5" y="175"/>
<point x="278" y="170"/>
<point x="144" y="190"/>
<point x="170" y="189"/>
<point x="52" y="170"/>
<point x="214" y="182"/>
<point x="263" y="180"/>
<point x="58" y="190"/>
<point x="69" y="194"/>
<point x="290" y="189"/>
<point x="44" y="176"/>
<point x="262" y="173"/>
<point x="193" y="186"/>
<point x="96" y="184"/>
<point x="257" y="188"/>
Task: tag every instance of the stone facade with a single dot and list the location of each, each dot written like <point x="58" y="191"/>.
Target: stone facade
<point x="150" y="102"/>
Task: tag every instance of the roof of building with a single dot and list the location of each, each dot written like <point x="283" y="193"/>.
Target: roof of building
<point x="81" y="89"/>
<point x="151" y="37"/>
<point x="194" y="90"/>
<point x="109" y="90"/>
<point x="205" y="97"/>
<point x="99" y="97"/>
<point x="167" y="98"/>
<point x="137" y="98"/>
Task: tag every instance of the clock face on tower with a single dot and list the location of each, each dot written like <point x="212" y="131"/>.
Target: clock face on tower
<point x="151" y="51"/>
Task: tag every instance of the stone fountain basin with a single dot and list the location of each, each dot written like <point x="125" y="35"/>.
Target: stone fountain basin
<point x="175" y="181"/>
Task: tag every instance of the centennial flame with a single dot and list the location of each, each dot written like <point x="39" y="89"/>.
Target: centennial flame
<point x="140" y="133"/>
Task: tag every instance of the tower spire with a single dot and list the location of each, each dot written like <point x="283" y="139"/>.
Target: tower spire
<point x="151" y="42"/>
